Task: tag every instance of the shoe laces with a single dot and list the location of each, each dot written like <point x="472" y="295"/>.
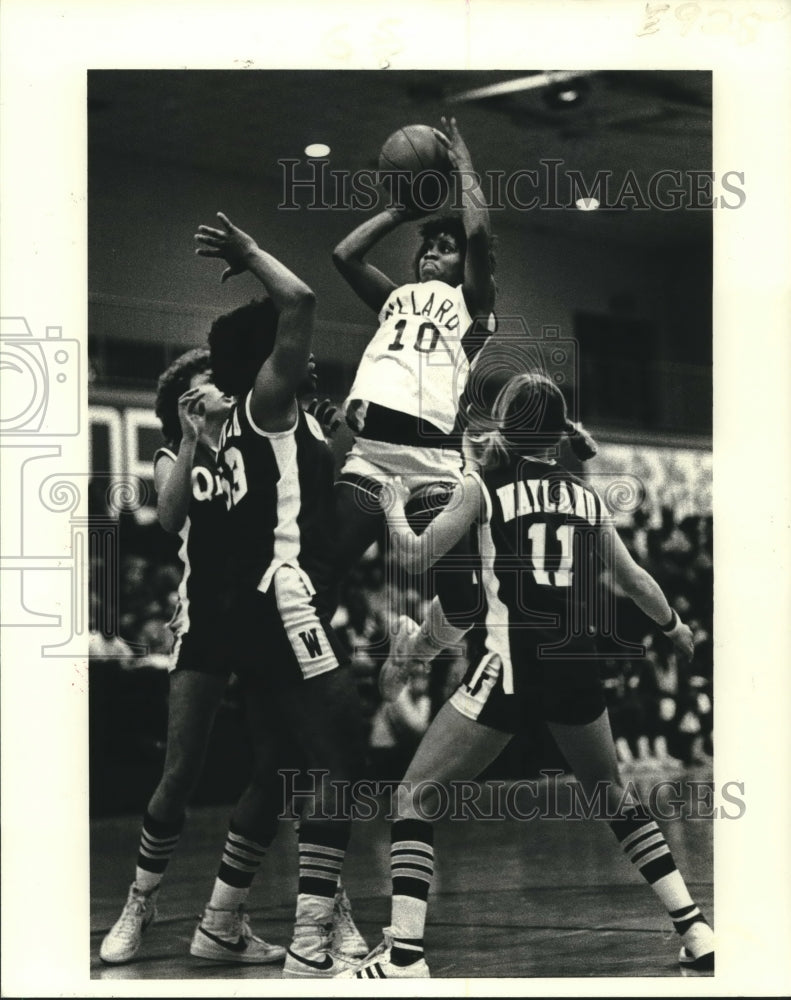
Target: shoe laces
<point x="237" y="925"/>
<point x="245" y="930"/>
<point x="129" y="922"/>
<point x="384" y="945"/>
<point x="343" y="912"/>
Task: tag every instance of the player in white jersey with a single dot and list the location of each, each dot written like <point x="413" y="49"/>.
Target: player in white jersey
<point x="403" y="405"/>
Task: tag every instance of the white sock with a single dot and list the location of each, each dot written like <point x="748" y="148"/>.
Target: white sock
<point x="227" y="897"/>
<point x="673" y="892"/>
<point x="147" y="881"/>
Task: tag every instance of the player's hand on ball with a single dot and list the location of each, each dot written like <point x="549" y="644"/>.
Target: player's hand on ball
<point x="230" y="243"/>
<point x="456" y="147"/>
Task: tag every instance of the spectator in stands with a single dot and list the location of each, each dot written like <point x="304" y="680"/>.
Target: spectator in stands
<point x="398" y="726"/>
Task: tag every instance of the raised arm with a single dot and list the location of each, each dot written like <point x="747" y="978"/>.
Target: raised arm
<point x="370" y="284"/>
<point x="417" y="553"/>
<point x="642" y="588"/>
<point x="478" y="280"/>
<point x="273" y="402"/>
<point x="173" y="478"/>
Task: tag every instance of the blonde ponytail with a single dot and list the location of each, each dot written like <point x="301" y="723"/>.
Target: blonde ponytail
<point x="582" y="444"/>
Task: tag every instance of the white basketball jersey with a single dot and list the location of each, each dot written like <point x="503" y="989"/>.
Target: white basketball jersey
<point x="416" y="362"/>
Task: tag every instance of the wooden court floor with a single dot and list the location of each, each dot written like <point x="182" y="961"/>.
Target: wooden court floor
<point x="511" y="898"/>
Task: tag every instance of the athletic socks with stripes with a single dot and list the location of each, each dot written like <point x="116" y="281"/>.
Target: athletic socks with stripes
<point x="241" y="859"/>
<point x="412" y="869"/>
<point x="158" y="841"/>
<point x="645" y="846"/>
<point x="322" y="848"/>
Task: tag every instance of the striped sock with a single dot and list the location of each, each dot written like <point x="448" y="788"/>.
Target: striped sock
<point x="412" y="868"/>
<point x="157" y="843"/>
<point x="241" y="859"/>
<point x="684" y="917"/>
<point x="645" y="846"/>
<point x="322" y="848"/>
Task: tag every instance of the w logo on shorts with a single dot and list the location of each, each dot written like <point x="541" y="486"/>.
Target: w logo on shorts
<point x="307" y="634"/>
<point x="312" y="643"/>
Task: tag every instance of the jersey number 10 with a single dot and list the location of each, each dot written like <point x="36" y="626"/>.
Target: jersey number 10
<point x="423" y="331"/>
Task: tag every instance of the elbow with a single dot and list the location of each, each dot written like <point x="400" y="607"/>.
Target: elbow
<point x="169" y="521"/>
<point x="341" y="258"/>
<point x="303" y="301"/>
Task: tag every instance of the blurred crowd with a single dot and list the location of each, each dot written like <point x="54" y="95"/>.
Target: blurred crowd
<point x="661" y="707"/>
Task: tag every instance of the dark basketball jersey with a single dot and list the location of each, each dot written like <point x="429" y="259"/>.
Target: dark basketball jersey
<point x="202" y="550"/>
<point x="279" y="494"/>
<point x="540" y="556"/>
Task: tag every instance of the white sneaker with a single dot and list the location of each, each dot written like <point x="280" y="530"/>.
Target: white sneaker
<point x="310" y="955"/>
<point x="396" y="668"/>
<point x="345" y="939"/>
<point x="697" y="952"/>
<point x="123" y="940"/>
<point x="378" y="965"/>
<point x="226" y="936"/>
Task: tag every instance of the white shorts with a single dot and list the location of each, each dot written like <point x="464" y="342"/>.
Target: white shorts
<point x="417" y="466"/>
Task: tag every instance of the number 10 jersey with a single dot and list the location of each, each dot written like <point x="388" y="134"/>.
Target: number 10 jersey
<point x="419" y="359"/>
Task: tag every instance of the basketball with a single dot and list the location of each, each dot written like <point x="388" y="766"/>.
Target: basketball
<point x="416" y="150"/>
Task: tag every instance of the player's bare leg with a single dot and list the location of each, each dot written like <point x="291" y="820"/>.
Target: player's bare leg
<point x="590" y="752"/>
<point x="454" y="748"/>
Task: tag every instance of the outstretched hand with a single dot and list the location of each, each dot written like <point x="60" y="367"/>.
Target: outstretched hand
<point x="456" y="147"/>
<point x="229" y="243"/>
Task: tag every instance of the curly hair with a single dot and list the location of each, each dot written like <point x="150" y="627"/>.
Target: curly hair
<point x="173" y="383"/>
<point x="452" y="225"/>
<point x="240" y="342"/>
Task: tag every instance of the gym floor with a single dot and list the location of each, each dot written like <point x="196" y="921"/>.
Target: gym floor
<point x="511" y="898"/>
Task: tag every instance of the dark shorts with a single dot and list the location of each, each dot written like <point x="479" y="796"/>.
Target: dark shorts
<point x="205" y="649"/>
<point x="565" y="691"/>
<point x="280" y="638"/>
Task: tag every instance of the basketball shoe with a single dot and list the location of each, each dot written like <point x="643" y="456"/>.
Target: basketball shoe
<point x="697" y="952"/>
<point x="310" y="955"/>
<point x="345" y="939"/>
<point x="125" y="936"/>
<point x="226" y="936"/>
<point x="378" y="965"/>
